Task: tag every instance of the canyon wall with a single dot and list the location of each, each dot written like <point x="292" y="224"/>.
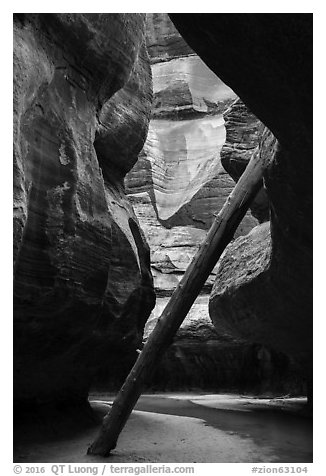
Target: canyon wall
<point x="179" y="182"/>
<point x="84" y="102"/>
<point x="82" y="282"/>
<point x="201" y="137"/>
<point x="267" y="60"/>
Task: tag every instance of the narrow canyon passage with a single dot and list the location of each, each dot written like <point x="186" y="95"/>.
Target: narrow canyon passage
<point x="130" y="132"/>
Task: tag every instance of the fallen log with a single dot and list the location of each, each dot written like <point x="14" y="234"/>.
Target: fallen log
<point x="218" y="237"/>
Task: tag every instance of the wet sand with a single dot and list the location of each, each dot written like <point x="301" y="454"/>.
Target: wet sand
<point x="188" y="428"/>
<point x="268" y="424"/>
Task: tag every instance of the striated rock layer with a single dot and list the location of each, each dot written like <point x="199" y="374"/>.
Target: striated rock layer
<point x="198" y="129"/>
<point x="82" y="281"/>
<point x="178" y="182"/>
<point x="184" y="176"/>
<point x="272" y="303"/>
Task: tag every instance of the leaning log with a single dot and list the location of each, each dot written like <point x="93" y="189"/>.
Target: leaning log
<point x="218" y="237"/>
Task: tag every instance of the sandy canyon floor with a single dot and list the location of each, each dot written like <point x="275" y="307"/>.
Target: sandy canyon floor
<point x="185" y="428"/>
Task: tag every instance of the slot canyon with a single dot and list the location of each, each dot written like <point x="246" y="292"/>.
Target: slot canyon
<point x="130" y="133"/>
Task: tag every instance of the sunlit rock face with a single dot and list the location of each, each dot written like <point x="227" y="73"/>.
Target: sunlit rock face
<point x="82" y="282"/>
<point x="178" y="182"/>
<point x="180" y="164"/>
<point x="186" y="86"/>
<point x="176" y="188"/>
<point x="189" y="152"/>
<point x="273" y="54"/>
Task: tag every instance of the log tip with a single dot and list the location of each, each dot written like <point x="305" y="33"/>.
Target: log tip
<point x="98" y="450"/>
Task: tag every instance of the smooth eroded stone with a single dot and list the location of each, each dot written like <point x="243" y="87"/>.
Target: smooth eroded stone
<point x="267" y="60"/>
<point x="177" y="186"/>
<point x="244" y="133"/>
<point x="180" y="165"/>
<point x="82" y="281"/>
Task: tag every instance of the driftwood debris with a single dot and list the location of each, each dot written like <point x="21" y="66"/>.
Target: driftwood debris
<point x="218" y="237"/>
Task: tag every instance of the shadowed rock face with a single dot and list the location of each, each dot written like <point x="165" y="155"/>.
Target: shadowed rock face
<point x="244" y="134"/>
<point x="198" y="129"/>
<point x="82" y="97"/>
<point x="178" y="182"/>
<point x="184" y="177"/>
<point x="267" y="60"/>
<point x="83" y="287"/>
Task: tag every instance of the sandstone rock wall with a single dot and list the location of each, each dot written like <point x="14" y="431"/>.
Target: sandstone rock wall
<point x="273" y="54"/>
<point x="83" y="286"/>
<point x="179" y="182"/>
<point x="244" y="135"/>
<point x="82" y="282"/>
<point x="198" y="129"/>
<point x="184" y="178"/>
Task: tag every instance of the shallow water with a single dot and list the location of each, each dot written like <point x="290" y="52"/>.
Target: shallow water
<point x="287" y="434"/>
<point x="217" y="428"/>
